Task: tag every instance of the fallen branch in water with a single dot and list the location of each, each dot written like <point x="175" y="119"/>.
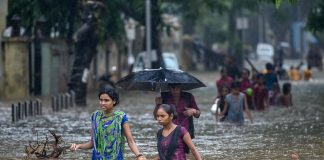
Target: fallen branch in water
<point x="47" y="149"/>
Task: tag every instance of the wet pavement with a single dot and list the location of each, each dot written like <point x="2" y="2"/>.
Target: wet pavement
<point x="275" y="133"/>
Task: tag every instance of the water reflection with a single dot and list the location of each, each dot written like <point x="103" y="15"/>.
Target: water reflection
<point x="275" y="134"/>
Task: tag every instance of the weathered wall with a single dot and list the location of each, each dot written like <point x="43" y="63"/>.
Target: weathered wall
<point x="16" y="73"/>
<point x="3" y="15"/>
<point x="55" y="66"/>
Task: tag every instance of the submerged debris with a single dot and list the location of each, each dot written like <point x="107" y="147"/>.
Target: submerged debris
<point x="47" y="149"/>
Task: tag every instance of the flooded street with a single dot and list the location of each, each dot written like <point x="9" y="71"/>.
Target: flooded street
<point x="275" y="133"/>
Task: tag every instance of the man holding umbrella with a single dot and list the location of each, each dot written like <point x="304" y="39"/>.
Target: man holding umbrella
<point x="185" y="104"/>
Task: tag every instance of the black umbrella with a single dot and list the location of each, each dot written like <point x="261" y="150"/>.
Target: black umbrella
<point x="158" y="80"/>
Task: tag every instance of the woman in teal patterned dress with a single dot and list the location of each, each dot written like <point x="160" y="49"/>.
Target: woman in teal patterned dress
<point x="109" y="129"/>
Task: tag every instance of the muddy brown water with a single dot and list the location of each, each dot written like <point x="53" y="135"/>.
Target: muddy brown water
<point x="275" y="133"/>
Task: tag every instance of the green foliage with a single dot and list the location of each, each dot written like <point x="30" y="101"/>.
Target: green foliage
<point x="56" y="12"/>
<point x="315" y="21"/>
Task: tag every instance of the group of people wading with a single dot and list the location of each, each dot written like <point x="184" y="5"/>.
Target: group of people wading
<point x="174" y="111"/>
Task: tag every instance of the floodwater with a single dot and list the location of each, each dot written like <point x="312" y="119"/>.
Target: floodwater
<point x="275" y="133"/>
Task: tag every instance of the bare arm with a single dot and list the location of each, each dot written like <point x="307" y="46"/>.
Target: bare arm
<point x="194" y="151"/>
<point x="246" y="109"/>
<point x="87" y="145"/>
<point x="131" y="143"/>
<point x="224" y="110"/>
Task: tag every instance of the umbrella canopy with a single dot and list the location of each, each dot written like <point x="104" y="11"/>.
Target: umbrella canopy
<point x="158" y="80"/>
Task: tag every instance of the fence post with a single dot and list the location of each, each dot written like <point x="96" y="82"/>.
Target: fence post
<point x="39" y="107"/>
<point x="62" y="101"/>
<point x="34" y="108"/>
<point x="53" y="103"/>
<point x="72" y="98"/>
<point x="19" y="111"/>
<point x="25" y="109"/>
<point x="31" y="109"/>
<point x="68" y="100"/>
<point x="14" y="112"/>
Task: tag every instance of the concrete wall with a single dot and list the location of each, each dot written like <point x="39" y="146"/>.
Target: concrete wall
<point x="3" y="15"/>
<point x="16" y="72"/>
<point x="55" y="64"/>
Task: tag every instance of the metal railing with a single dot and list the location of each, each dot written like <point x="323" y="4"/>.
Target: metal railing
<point x="63" y="101"/>
<point x="28" y="108"/>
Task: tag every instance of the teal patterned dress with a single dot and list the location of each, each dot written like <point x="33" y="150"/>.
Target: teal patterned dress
<point x="108" y="136"/>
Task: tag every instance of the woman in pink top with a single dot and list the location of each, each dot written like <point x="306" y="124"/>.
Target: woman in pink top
<point x="225" y="80"/>
<point x="246" y="87"/>
<point x="185" y="105"/>
<point x="172" y="138"/>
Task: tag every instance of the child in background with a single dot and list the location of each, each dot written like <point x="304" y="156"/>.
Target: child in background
<point x="308" y="74"/>
<point x="221" y="102"/>
<point x="274" y="95"/>
<point x="246" y="87"/>
<point x="294" y="74"/>
<point x="270" y="77"/>
<point x="260" y="94"/>
<point x="286" y="97"/>
<point x="235" y="104"/>
<point x="224" y="80"/>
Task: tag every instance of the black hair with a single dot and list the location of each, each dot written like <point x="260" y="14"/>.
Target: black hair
<point x="236" y="84"/>
<point x="110" y="92"/>
<point x="286" y="88"/>
<point x="269" y="66"/>
<point x="246" y="70"/>
<point x="168" y="108"/>
<point x="225" y="86"/>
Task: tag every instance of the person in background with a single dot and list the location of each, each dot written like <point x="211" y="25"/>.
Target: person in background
<point x="232" y="68"/>
<point x="172" y="138"/>
<point x="221" y="103"/>
<point x="274" y="95"/>
<point x="282" y="73"/>
<point x="286" y="97"/>
<point x="236" y="104"/>
<point x="109" y="129"/>
<point x="308" y="74"/>
<point x="294" y="74"/>
<point x="224" y="80"/>
<point x="260" y="94"/>
<point x="254" y="76"/>
<point x="270" y="77"/>
<point x="185" y="105"/>
<point x="246" y="87"/>
<point x="15" y="29"/>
